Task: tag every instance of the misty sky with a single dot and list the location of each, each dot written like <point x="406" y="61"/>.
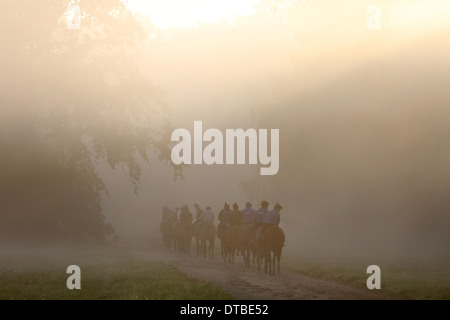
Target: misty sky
<point x="289" y="66"/>
<point x="362" y="110"/>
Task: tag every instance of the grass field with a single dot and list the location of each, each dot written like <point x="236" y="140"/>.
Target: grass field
<point x="37" y="273"/>
<point x="105" y="274"/>
<point x="399" y="280"/>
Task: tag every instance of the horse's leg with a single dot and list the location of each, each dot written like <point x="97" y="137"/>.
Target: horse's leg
<point x="266" y="262"/>
<point x="189" y="240"/>
<point x="222" y="249"/>
<point x="202" y="244"/>
<point x="247" y="257"/>
<point x="260" y="259"/>
<point x="204" y="247"/>
<point x="254" y="257"/>
<point x="242" y="254"/>
<point x="233" y="254"/>
<point x="273" y="263"/>
<point x="278" y="258"/>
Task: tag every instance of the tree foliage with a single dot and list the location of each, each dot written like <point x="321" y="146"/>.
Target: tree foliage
<point x="69" y="98"/>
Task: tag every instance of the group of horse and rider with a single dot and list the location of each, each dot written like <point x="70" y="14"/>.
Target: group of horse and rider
<point x="247" y="232"/>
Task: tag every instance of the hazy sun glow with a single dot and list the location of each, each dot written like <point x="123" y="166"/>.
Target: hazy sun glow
<point x="184" y="14"/>
<point x="419" y="14"/>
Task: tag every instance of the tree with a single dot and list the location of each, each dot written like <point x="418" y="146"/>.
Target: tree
<point x="69" y="98"/>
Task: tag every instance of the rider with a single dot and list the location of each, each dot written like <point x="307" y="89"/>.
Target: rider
<point x="208" y="215"/>
<point x="198" y="212"/>
<point x="236" y="215"/>
<point x="224" y="218"/>
<point x="248" y="214"/>
<point x="260" y="220"/>
<point x="186" y="215"/>
<point x="273" y="216"/>
<point x="224" y="215"/>
<point x="261" y="212"/>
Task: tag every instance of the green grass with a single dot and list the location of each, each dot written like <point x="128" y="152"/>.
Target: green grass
<point x="107" y="276"/>
<point x="399" y="280"/>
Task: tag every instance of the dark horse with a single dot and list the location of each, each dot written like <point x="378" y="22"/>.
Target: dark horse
<point x="246" y="233"/>
<point x="229" y="243"/>
<point x="182" y="232"/>
<point x="271" y="245"/>
<point x="221" y="231"/>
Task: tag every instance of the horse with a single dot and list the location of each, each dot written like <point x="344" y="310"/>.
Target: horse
<point x="208" y="234"/>
<point x="197" y="227"/>
<point x="230" y="243"/>
<point x="254" y="245"/>
<point x="246" y="233"/>
<point x="222" y="229"/>
<point x="182" y="236"/>
<point x="271" y="245"/>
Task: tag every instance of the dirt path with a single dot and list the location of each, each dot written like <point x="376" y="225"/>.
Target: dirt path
<point x="250" y="284"/>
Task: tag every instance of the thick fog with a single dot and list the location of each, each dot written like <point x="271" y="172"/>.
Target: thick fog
<point x="362" y="113"/>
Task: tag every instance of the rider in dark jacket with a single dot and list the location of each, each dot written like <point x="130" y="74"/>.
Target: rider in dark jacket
<point x="224" y="215"/>
<point x="224" y="218"/>
<point x="186" y="215"/>
<point x="236" y="215"/>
